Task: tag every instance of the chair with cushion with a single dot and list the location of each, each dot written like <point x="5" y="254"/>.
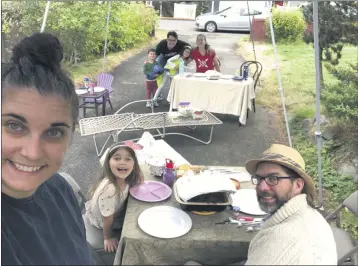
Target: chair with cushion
<point x="255" y="76"/>
<point x="347" y="251"/>
<point x="94" y="235"/>
<point x="104" y="80"/>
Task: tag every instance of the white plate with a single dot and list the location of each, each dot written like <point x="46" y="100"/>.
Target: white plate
<point x="226" y="76"/>
<point x="199" y="75"/>
<point x="247" y="201"/>
<point x="164" y="222"/>
<point x="80" y="92"/>
<point x="98" y="89"/>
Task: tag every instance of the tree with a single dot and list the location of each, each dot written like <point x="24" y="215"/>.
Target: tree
<point x="80" y="25"/>
<point x="341" y="98"/>
<point x="337" y="26"/>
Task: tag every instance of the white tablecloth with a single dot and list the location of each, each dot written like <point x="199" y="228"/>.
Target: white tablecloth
<point x="217" y="96"/>
<point x="157" y="148"/>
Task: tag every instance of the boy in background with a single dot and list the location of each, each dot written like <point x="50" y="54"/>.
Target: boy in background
<point x="151" y="77"/>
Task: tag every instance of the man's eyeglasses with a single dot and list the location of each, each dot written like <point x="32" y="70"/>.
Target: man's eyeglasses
<point x="270" y="180"/>
<point x="172" y="40"/>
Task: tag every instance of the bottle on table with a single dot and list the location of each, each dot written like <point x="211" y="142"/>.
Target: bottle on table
<point x="91" y="88"/>
<point x="246" y="72"/>
<point x="169" y="172"/>
<point x="86" y="82"/>
<point x="181" y="66"/>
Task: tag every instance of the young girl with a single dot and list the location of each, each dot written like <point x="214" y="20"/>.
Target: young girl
<point x="120" y="172"/>
<point x="204" y="56"/>
<point x="173" y="65"/>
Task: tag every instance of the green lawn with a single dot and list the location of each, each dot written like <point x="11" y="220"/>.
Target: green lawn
<point x="296" y="63"/>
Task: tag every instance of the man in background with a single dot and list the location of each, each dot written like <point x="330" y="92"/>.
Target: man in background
<point x="169" y="47"/>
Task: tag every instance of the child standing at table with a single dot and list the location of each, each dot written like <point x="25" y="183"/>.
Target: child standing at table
<point x="152" y="71"/>
<point x="108" y="197"/>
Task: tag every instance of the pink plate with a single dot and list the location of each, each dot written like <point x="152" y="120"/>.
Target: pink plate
<point x="151" y="191"/>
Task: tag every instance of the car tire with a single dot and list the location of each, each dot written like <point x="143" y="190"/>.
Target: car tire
<point x="210" y="26"/>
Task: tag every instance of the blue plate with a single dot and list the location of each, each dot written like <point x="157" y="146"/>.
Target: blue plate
<point x="238" y="78"/>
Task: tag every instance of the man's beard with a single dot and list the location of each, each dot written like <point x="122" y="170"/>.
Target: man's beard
<point x="272" y="207"/>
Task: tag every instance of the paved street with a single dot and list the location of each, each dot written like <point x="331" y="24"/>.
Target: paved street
<point x="231" y="144"/>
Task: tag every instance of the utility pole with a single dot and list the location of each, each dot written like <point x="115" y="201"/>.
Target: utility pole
<point x="161" y="9"/>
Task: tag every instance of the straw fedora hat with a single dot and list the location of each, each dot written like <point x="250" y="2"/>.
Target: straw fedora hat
<point x="288" y="157"/>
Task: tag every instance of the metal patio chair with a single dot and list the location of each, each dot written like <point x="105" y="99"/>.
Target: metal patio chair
<point x="347" y="251"/>
<point x="104" y="80"/>
<point x="94" y="235"/>
<point x="255" y="76"/>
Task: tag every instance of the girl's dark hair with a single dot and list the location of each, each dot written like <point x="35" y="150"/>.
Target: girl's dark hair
<point x="132" y="179"/>
<point x="35" y="63"/>
<point x="184" y="48"/>
<point x="206" y="43"/>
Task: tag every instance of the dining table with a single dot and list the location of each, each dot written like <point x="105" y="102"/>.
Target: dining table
<point x="207" y="242"/>
<point x="93" y="96"/>
<point x="222" y="96"/>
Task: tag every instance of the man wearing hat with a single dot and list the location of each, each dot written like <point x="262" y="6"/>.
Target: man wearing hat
<point x="294" y="233"/>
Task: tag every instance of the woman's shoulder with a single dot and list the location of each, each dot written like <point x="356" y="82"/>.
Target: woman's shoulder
<point x="56" y="182"/>
<point x="59" y="188"/>
<point x="195" y="51"/>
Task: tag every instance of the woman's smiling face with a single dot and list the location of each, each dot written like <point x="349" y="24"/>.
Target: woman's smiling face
<point x="36" y="132"/>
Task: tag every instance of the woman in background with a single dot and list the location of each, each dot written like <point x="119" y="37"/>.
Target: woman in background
<point x="204" y="56"/>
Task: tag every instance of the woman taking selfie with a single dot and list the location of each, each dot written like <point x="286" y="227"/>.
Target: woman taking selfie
<point x="41" y="222"/>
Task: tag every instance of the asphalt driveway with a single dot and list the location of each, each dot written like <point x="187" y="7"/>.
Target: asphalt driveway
<point x="231" y="144"/>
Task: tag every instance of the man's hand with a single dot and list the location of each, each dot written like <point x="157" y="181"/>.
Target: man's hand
<point x="110" y="245"/>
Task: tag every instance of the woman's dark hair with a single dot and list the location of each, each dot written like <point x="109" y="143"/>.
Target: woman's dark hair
<point x="35" y="63"/>
<point x="206" y="43"/>
<point x="172" y="33"/>
<point x="132" y="179"/>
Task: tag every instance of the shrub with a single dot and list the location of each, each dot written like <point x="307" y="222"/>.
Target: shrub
<point x="80" y="25"/>
<point x="341" y="98"/>
<point x="289" y="25"/>
<point x="338" y="187"/>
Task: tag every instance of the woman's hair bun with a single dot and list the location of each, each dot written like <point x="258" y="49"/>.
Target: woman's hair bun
<point x="40" y="48"/>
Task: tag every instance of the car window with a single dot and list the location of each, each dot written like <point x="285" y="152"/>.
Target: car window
<point x="235" y="11"/>
<point x="225" y="13"/>
<point x="252" y="12"/>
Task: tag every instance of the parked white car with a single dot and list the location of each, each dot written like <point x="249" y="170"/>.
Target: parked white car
<point x="231" y="18"/>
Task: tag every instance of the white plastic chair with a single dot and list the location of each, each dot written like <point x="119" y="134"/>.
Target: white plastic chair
<point x="81" y="198"/>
